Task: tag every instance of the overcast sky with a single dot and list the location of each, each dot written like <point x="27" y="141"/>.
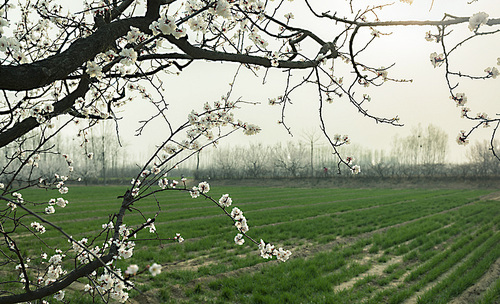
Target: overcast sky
<point x="424" y="101"/>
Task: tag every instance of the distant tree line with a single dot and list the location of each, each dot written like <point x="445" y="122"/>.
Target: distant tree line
<point x="423" y="153"/>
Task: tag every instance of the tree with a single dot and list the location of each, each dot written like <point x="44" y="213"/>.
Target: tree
<point x="482" y="160"/>
<point x="290" y="158"/>
<point x="424" y="148"/>
<point x="310" y="137"/>
<point x="65" y="62"/>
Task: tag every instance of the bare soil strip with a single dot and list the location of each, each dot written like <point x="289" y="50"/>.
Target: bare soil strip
<point x="376" y="270"/>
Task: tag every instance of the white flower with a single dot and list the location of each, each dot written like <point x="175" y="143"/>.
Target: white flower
<point x="464" y="112"/>
<point x="133" y="35"/>
<point x="266" y="250"/>
<point x="151" y="226"/>
<point x="59" y="295"/>
<point x="50" y="210"/>
<point x="283" y="255"/>
<point x="477" y="20"/>
<point x="178" y="238"/>
<point x="110" y="56"/>
<point x="429" y="36"/>
<point x="462" y="138"/>
<point x="4" y="43"/>
<point x="225" y="201"/>
<point x="55" y="259"/>
<point x="223" y="9"/>
<point x="251" y="129"/>
<point x="38" y="227"/>
<point x="460" y="99"/>
<point x="492" y="72"/>
<point x="238" y="239"/>
<point x="129" y="56"/>
<point x="155" y="170"/>
<point x="436" y="59"/>
<point x="155" y="269"/>
<point x="356" y="169"/>
<point x="125" y="253"/>
<point x="94" y="70"/>
<point x="107" y="281"/>
<point x="197" y="24"/>
<point x="2" y="186"/>
<point x="203" y="187"/>
<point x="375" y="33"/>
<point x="61" y="202"/>
<point x="63" y="190"/>
<point x="194" y="192"/>
<point x="236" y="213"/>
<point x="132" y="269"/>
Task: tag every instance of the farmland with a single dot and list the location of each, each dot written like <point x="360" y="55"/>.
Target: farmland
<point x="349" y="245"/>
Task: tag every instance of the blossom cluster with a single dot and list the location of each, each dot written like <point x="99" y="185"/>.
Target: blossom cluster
<point x="241" y="224"/>
<point x="113" y="284"/>
<point x="240" y="220"/>
<point x="477" y="20"/>
<point x="462" y="138"/>
<point x="436" y="59"/>
<point x="166" y="26"/>
<point x="341" y="139"/>
<point x="55" y="270"/>
<point x="38" y="227"/>
<point x="268" y="250"/>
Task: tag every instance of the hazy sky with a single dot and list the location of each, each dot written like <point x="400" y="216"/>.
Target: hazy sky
<point x="424" y="101"/>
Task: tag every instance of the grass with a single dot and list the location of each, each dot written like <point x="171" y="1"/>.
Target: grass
<point x="349" y="245"/>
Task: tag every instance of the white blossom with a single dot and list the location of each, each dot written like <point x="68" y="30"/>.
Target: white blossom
<point x="225" y="201"/>
<point x="132" y="269"/>
<point x="436" y="59"/>
<point x="355" y="169"/>
<point x="492" y="72"/>
<point x="477" y="20"/>
<point x="203" y="187"/>
<point x="61" y="202"/>
<point x="238" y="239"/>
<point x="129" y="56"/>
<point x="50" y="210"/>
<point x="94" y="70"/>
<point x="38" y="227"/>
<point x="155" y="269"/>
<point x="59" y="295"/>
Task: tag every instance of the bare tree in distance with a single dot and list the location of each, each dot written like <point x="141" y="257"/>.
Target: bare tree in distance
<point x="483" y="162"/>
<point x="63" y="62"/>
<point x="311" y="138"/>
<point x="424" y="146"/>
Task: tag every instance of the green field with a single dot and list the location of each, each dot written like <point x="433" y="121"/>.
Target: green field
<point x="349" y="245"/>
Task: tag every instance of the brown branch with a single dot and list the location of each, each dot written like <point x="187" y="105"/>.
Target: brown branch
<point x="30" y="123"/>
<point x="58" y="67"/>
<point x="199" y="53"/>
<point x="454" y="20"/>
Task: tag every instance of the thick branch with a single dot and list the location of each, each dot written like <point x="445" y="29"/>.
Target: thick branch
<point x="59" y="285"/>
<point x="30" y="123"/>
<point x="57" y="67"/>
<point x="452" y="21"/>
<point x="198" y="53"/>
